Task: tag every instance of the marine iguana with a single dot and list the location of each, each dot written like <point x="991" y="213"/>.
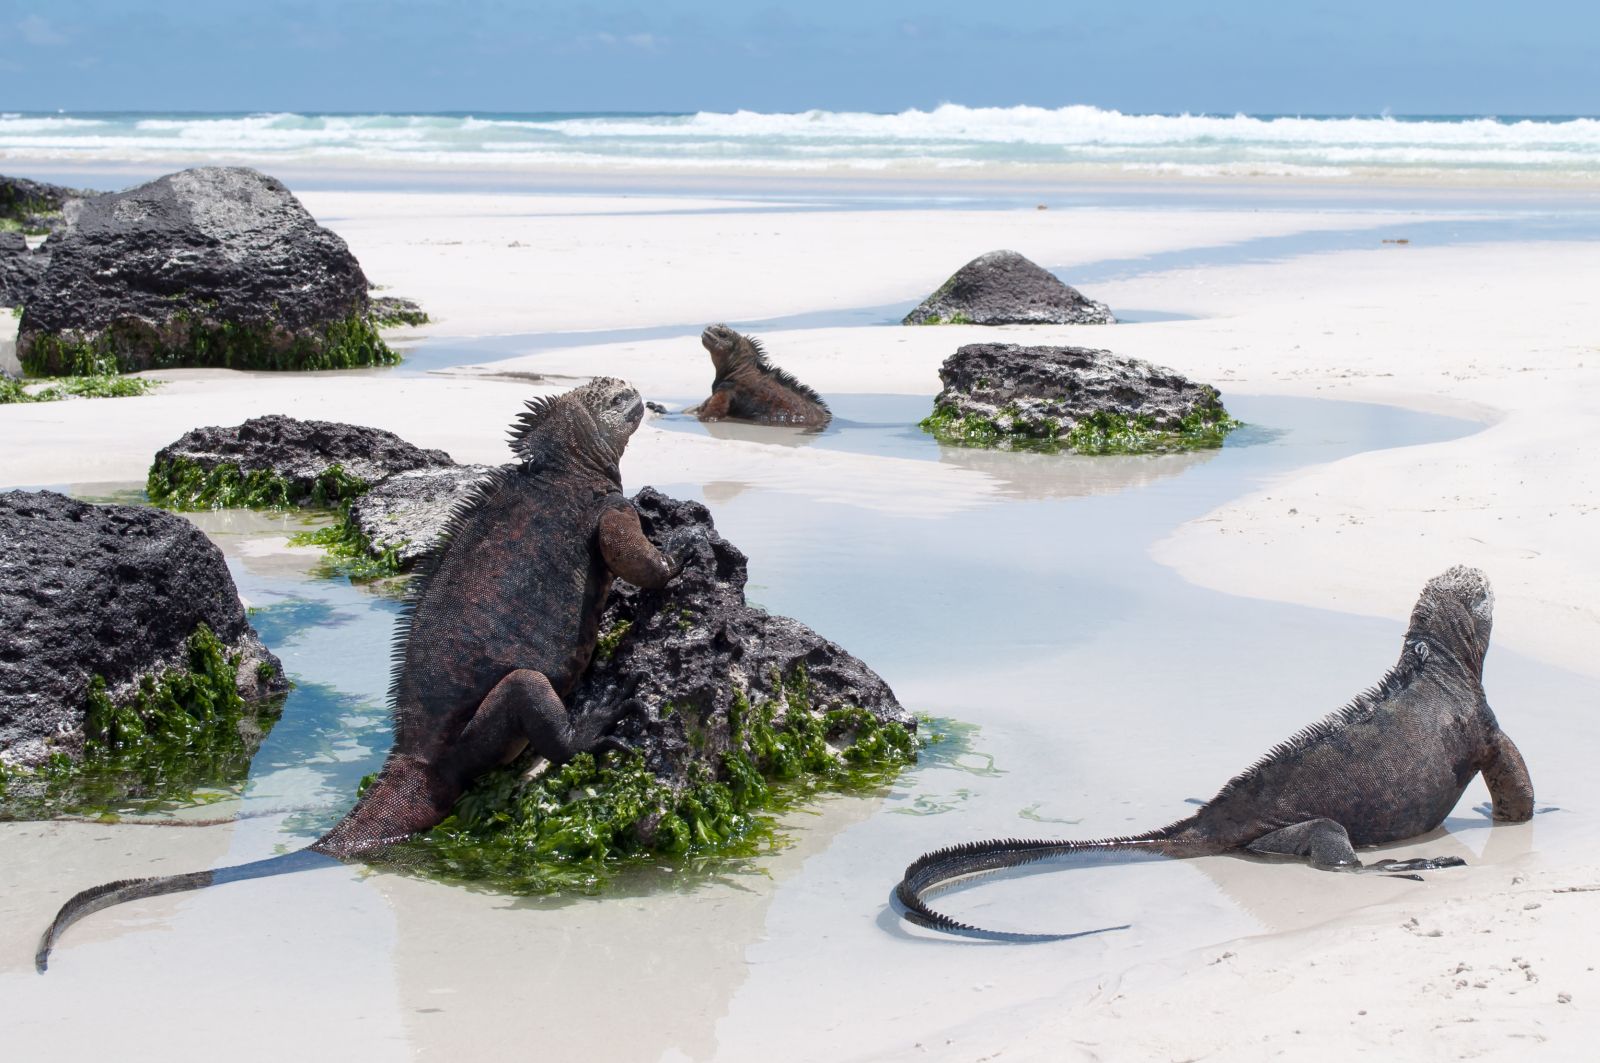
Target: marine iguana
<point x="500" y="624"/>
<point x="747" y="387"/>
<point x="1390" y="765"/>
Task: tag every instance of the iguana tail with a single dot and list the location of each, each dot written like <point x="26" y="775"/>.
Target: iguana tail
<point x="131" y="889"/>
<point x="942" y="865"/>
<point x="404" y="800"/>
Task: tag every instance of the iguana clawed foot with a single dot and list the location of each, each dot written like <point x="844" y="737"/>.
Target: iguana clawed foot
<point x="593" y="732"/>
<point x="1404" y="868"/>
<point x="1487" y="810"/>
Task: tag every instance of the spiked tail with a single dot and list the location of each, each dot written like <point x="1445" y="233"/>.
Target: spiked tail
<point x="943" y="865"/>
<point x="97" y="897"/>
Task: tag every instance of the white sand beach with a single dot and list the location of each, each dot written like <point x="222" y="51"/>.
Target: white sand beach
<point x="1229" y="959"/>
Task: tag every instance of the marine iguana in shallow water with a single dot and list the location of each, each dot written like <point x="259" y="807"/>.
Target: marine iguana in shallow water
<point x="499" y="626"/>
<point x="1388" y="766"/>
<point x="747" y="387"/>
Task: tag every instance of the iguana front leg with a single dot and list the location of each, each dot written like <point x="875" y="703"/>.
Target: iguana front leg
<point x="1510" y="787"/>
<point x="715" y="408"/>
<point x="631" y="556"/>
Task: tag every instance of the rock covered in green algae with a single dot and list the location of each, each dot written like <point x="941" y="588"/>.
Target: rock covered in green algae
<point x="38" y="208"/>
<point x="738" y="712"/>
<point x="688" y="652"/>
<point x="117" y="621"/>
<point x="1004" y="288"/>
<point x="214" y="266"/>
<point x="280" y="461"/>
<point x="1071" y="398"/>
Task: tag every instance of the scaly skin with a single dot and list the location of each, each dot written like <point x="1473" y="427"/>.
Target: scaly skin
<point x="500" y="626"/>
<point x="749" y="388"/>
<point x="1389" y="766"/>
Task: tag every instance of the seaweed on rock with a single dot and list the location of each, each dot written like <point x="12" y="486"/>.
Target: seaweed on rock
<point x="195" y="340"/>
<point x="572" y="828"/>
<point x="179" y="483"/>
<point x="1048" y="399"/>
<point x="174" y="733"/>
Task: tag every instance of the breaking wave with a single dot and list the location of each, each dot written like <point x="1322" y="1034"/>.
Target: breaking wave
<point x="946" y="137"/>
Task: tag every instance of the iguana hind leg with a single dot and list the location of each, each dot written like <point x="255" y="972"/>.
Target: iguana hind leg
<point x="1325" y="844"/>
<point x="524" y="710"/>
<point x="1510" y="787"/>
<point x="1321" y="842"/>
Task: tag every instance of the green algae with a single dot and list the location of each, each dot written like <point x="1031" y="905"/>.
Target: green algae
<point x="97" y="386"/>
<point x="182" y="484"/>
<point x="606" y="646"/>
<point x="1099" y="433"/>
<point x="194" y="340"/>
<point x="350" y="552"/>
<point x="574" y="828"/>
<point x="179" y="483"/>
<point x="177" y="737"/>
<point x="27" y="208"/>
<point x="957" y="318"/>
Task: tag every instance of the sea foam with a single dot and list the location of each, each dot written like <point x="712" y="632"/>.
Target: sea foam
<point x="948" y="136"/>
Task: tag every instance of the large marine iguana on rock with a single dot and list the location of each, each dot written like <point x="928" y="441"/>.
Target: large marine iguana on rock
<point x="1388" y="766"/>
<point x="501" y="624"/>
<point x="747" y="387"/>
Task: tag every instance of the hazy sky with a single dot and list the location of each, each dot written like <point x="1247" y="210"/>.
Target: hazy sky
<point x="1261" y="56"/>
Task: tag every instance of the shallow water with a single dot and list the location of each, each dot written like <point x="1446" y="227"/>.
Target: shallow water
<point x="1495" y="224"/>
<point x="1099" y="689"/>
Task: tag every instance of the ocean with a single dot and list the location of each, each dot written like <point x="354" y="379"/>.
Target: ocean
<point x="947" y="138"/>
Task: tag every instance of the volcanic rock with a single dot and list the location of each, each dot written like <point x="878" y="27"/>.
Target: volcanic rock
<point x="108" y="591"/>
<point x="302" y="453"/>
<point x="1003" y="288"/>
<point x="686" y="653"/>
<point x="36" y="207"/>
<point x="215" y="266"/>
<point x="20" y="268"/>
<point x="1044" y="393"/>
<point x="406" y="513"/>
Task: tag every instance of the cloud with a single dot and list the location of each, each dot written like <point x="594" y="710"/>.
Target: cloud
<point x="39" y="33"/>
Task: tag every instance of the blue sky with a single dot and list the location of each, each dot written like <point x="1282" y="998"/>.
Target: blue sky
<point x="1404" y="56"/>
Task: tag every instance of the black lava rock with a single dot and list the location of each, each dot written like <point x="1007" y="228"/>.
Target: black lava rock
<point x="407" y="512"/>
<point x="1003" y="288"/>
<point x="20" y="268"/>
<point x="109" y="591"/>
<point x="38" y="207"/>
<point x="689" y="649"/>
<point x="210" y="266"/>
<point x="299" y="452"/>
<point x="1045" y="392"/>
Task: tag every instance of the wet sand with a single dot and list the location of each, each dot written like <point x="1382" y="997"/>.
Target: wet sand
<point x="1021" y="596"/>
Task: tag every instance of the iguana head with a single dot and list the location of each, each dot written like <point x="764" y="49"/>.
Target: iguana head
<point x="615" y="406"/>
<point x="724" y="345"/>
<point x="1456" y="613"/>
<point x="590" y="425"/>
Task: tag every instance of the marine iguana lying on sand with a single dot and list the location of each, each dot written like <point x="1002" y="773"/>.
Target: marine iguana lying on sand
<point x="747" y="387"/>
<point x="501" y="623"/>
<point x="1390" y="765"/>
